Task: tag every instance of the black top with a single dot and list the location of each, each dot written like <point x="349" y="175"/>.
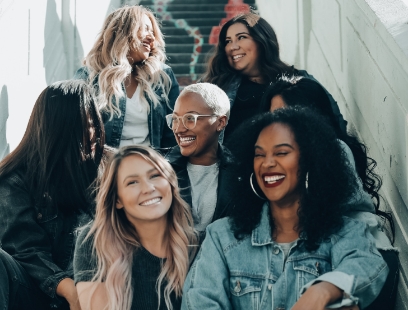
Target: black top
<point x="246" y="104"/>
<point x="145" y="271"/>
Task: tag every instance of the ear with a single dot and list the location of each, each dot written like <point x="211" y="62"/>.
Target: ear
<point x="119" y="205"/>
<point x="222" y="122"/>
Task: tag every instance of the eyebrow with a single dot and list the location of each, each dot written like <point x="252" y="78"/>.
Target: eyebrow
<point x="239" y="33"/>
<point x="136" y="175"/>
<point x="276" y="146"/>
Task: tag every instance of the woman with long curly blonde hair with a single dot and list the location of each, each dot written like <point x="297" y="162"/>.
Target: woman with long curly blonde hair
<point x="135" y="88"/>
<point x="135" y="254"/>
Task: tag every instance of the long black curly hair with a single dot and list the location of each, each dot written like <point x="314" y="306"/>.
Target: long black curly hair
<point x="300" y="91"/>
<point x="219" y="71"/>
<point x="330" y="179"/>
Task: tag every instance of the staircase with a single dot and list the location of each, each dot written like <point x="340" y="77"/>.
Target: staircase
<point x="186" y="25"/>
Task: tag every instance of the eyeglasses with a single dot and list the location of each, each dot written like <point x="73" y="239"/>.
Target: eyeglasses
<point x="189" y="120"/>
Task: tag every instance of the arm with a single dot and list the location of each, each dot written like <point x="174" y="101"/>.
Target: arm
<point x="24" y="239"/>
<point x="92" y="295"/>
<point x="168" y="139"/>
<point x="206" y="285"/>
<point x="358" y="269"/>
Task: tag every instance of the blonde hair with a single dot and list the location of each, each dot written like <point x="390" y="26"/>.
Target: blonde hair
<point x="107" y="61"/>
<point x="115" y="239"/>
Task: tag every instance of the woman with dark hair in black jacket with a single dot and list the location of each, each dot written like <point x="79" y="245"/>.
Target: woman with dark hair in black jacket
<point x="365" y="203"/>
<point x="45" y="194"/>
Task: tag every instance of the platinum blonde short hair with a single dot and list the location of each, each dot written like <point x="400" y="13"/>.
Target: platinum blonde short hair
<point x="213" y="96"/>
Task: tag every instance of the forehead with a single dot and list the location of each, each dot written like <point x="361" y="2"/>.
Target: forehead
<point x="146" y="21"/>
<point x="277" y="102"/>
<point x="236" y="28"/>
<point x="276" y="134"/>
<point x="188" y="102"/>
<point x="133" y="164"/>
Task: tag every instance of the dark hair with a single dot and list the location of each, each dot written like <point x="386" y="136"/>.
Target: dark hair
<point x="62" y="147"/>
<point x="219" y="71"/>
<point x="305" y="92"/>
<point x="330" y="179"/>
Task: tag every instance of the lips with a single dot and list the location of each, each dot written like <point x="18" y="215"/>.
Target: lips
<point x="185" y="141"/>
<point x="237" y="58"/>
<point x="151" y="201"/>
<point x="273" y="179"/>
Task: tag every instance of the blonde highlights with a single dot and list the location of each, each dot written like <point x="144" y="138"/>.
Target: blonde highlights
<point x="108" y="64"/>
<point x="115" y="239"/>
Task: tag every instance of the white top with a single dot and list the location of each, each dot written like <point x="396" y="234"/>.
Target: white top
<point x="204" y="185"/>
<point x="136" y="127"/>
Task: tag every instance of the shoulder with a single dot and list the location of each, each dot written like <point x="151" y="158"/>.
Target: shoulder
<point x="351" y="228"/>
<point x="12" y="180"/>
<point x="82" y="73"/>
<point x="82" y="233"/>
<point x="221" y="232"/>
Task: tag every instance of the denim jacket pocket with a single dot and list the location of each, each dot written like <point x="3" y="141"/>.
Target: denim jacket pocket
<point x="46" y="218"/>
<point x="308" y="269"/>
<point x="245" y="292"/>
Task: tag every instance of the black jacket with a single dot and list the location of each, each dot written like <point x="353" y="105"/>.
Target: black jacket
<point x="226" y="166"/>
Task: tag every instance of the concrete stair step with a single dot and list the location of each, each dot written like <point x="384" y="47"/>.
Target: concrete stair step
<point x="195" y="7"/>
<point x="183" y="39"/>
<point x="172" y="30"/>
<point x="195" y="22"/>
<point x="185" y="48"/>
<point x="185" y="68"/>
<point x="185" y="58"/>
<point x="199" y="14"/>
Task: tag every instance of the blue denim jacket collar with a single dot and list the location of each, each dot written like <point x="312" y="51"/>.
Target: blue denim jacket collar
<point x="262" y="234"/>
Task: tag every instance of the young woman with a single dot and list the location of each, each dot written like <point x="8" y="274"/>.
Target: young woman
<point x="245" y="61"/>
<point x="135" y="88"/>
<point x="45" y="194"/>
<point x="287" y="244"/>
<point x="365" y="202"/>
<point x="202" y="165"/>
<point x="135" y="254"/>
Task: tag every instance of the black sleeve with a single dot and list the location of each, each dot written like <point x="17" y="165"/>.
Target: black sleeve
<point x="85" y="263"/>
<point x="168" y="139"/>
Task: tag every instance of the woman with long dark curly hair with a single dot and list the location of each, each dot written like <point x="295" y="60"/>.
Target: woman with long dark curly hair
<point x="287" y="243"/>
<point x="364" y="204"/>
<point x="245" y="62"/>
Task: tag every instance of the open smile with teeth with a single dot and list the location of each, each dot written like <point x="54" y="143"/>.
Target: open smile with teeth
<point x="146" y="45"/>
<point x="151" y="201"/>
<point x="237" y="57"/>
<point x="186" y="140"/>
<point x="273" y="178"/>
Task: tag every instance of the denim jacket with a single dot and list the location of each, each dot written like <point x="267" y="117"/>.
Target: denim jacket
<point x="252" y="273"/>
<point x="39" y="237"/>
<point x="159" y="133"/>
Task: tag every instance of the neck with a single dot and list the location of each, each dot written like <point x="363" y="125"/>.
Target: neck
<point x="286" y="221"/>
<point x="153" y="237"/>
<point x="207" y="159"/>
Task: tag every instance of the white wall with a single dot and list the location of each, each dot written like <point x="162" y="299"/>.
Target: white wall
<point x="41" y="42"/>
<point x="358" y="49"/>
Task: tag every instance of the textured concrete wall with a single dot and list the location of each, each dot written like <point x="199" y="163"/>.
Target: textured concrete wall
<point x="41" y="41"/>
<point x="358" y="49"/>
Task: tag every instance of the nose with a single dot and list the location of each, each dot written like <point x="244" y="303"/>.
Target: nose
<point x="149" y="36"/>
<point x="234" y="46"/>
<point x="147" y="187"/>
<point x="180" y="127"/>
<point x="269" y="162"/>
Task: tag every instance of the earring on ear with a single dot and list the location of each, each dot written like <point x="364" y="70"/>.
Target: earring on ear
<point x="307" y="181"/>
<point x="253" y="188"/>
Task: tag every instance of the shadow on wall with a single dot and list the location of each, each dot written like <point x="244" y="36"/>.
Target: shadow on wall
<point x="63" y="49"/>
<point x="4" y="113"/>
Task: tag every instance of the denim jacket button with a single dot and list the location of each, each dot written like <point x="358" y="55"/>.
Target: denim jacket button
<point x="237" y="287"/>
<point x="276" y="251"/>
<point x="270" y="287"/>
<point x="39" y="216"/>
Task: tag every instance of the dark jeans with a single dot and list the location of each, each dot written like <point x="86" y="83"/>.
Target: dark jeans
<point x="388" y="294"/>
<point x="17" y="291"/>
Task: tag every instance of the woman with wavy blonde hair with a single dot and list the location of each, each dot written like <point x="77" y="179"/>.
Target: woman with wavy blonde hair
<point x="135" y="254"/>
<point x="135" y="88"/>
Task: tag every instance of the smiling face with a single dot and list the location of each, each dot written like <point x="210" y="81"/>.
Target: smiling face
<point x="146" y="36"/>
<point x="276" y="164"/>
<point x="242" y="50"/>
<point x="201" y="142"/>
<point x="143" y="192"/>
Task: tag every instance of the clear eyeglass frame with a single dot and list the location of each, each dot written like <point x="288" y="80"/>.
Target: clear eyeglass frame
<point x="189" y="120"/>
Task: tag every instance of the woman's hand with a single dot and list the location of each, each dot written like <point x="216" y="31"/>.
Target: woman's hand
<point x="66" y="288"/>
<point x="318" y="296"/>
